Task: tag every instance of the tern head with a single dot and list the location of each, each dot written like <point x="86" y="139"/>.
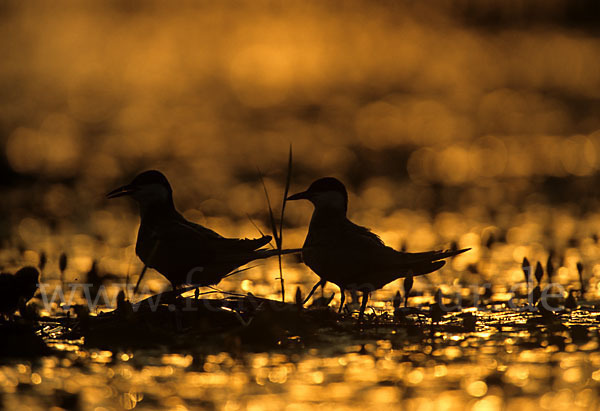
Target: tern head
<point x="148" y="188"/>
<point x="327" y="192"/>
<point x="27" y="279"/>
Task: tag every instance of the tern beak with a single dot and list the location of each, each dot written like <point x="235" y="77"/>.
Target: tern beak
<point x="299" y="196"/>
<point x="121" y="191"/>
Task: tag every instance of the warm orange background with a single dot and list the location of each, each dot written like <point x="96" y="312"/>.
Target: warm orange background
<point x="455" y="92"/>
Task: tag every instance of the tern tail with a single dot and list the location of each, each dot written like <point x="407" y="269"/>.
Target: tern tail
<point x="424" y="263"/>
<point x="428" y="257"/>
<point x="253" y="243"/>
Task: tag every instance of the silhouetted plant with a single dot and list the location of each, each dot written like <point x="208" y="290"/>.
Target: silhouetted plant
<point x="526" y="271"/>
<point x="436" y="308"/>
<point x="571" y="302"/>
<point x="536" y="293"/>
<point x="580" y="272"/>
<point x="539" y="272"/>
<point x="278" y="233"/>
<point x="298" y="298"/>
<point x="397" y="300"/>
<point x="43" y="260"/>
<point x="62" y="265"/>
<point x="468" y="322"/>
<point x="550" y="268"/>
<point x="62" y="262"/>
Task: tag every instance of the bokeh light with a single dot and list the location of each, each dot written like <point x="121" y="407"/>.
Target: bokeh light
<point x="453" y="123"/>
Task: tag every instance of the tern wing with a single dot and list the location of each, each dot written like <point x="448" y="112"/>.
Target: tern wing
<point x="354" y="251"/>
<point x="199" y="228"/>
<point x="220" y="242"/>
<point x="364" y="233"/>
<point x="186" y="255"/>
<point x="202" y="240"/>
<point x="178" y="246"/>
<point x="366" y="242"/>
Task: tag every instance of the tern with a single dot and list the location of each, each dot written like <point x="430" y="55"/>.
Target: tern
<point x="17" y="288"/>
<point x="185" y="253"/>
<point x="350" y="256"/>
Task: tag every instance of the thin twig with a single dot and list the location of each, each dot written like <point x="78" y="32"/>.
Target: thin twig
<point x="271" y="216"/>
<point x="273" y="225"/>
<point x="241" y="270"/>
<point x="278" y="235"/>
<point x="280" y="245"/>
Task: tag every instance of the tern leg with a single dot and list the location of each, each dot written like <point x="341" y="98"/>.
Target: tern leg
<point x="145" y="267"/>
<point x="137" y="285"/>
<point x="343" y="291"/>
<point x="321" y="282"/>
<point x="363" y="305"/>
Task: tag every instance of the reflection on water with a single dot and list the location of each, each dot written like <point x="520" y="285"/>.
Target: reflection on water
<point x="503" y="362"/>
<point x="487" y="370"/>
<point x="475" y="123"/>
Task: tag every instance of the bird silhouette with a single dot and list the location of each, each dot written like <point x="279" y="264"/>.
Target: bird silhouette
<point x="351" y="256"/>
<point x="17" y="288"/>
<point x="184" y="252"/>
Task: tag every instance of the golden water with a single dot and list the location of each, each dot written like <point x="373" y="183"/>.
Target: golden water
<point x="449" y="122"/>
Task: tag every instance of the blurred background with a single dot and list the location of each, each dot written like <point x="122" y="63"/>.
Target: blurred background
<point x="467" y="122"/>
<point x="451" y="121"/>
